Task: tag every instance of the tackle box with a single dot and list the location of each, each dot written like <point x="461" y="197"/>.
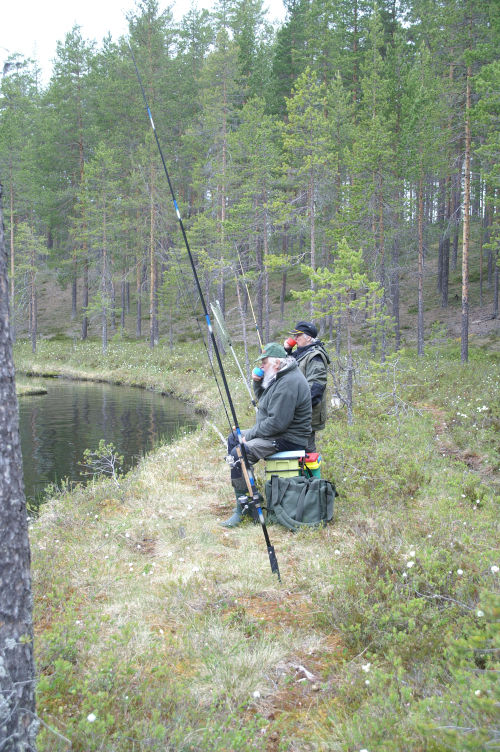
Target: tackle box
<point x="284" y="464"/>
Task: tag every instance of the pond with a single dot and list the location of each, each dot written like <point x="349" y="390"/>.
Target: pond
<point x="57" y="427"/>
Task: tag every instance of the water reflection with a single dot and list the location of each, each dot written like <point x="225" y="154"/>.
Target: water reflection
<point x="57" y="427"/>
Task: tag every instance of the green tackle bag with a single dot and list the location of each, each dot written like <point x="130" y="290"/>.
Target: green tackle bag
<point x="299" y="501"/>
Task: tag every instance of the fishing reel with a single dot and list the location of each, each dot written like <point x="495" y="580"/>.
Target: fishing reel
<point x="250" y="505"/>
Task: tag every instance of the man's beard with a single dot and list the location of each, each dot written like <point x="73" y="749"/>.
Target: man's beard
<point x="268" y="377"/>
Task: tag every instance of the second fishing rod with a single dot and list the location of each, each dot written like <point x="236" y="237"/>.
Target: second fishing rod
<point x="245" y="464"/>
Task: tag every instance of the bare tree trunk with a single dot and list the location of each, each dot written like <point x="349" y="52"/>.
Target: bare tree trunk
<point x="395" y="292"/>
<point x="445" y="266"/>
<point x="495" y="294"/>
<point x="104" y="289"/>
<point x="138" y="291"/>
<point x="464" y="350"/>
<point x="18" y="724"/>
<point x="123" y="301"/>
<point x="350" y="369"/>
<point x="420" y="321"/>
<point x="113" y="304"/>
<point x="85" y="299"/>
<point x="267" y="305"/>
<point x="73" y="288"/>
<point x="152" y="264"/>
<point x="312" y="237"/>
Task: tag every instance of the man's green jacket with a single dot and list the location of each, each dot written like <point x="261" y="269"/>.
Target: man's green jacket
<point x="284" y="410"/>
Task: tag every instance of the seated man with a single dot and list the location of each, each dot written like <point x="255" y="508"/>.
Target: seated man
<point x="283" y="420"/>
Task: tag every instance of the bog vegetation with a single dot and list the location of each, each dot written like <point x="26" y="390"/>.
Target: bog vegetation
<point x="157" y="629"/>
<point x="343" y="167"/>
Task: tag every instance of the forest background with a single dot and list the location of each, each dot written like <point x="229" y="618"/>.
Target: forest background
<point x="350" y="155"/>
<point x="377" y="124"/>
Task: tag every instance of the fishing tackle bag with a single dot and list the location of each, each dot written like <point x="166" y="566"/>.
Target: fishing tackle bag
<point x="299" y="501"/>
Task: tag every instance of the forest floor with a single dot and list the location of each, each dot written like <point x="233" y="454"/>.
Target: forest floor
<point x="157" y="629"/>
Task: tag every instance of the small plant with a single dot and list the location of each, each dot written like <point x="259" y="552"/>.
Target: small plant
<point x="103" y="461"/>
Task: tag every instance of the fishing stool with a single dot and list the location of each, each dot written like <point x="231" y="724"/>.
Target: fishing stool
<point x="284" y="464"/>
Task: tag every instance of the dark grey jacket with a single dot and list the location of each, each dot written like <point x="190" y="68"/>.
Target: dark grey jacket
<point x="313" y="361"/>
<point x="284" y="410"/>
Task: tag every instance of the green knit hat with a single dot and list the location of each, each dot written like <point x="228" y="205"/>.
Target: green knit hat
<point x="272" y="350"/>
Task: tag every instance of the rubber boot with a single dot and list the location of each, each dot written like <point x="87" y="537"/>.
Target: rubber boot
<point x="236" y="516"/>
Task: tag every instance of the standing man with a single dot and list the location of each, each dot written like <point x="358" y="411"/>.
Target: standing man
<point x="313" y="361"/>
<point x="283" y="421"/>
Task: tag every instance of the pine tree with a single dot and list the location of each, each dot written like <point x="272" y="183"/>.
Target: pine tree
<point x="307" y="157"/>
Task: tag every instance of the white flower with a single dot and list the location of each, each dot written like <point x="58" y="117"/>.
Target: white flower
<point x="366" y="667"/>
<point x="460" y="572"/>
<point x="410" y="564"/>
<point x="336" y="552"/>
<point x="411" y="554"/>
<point x="479" y="613"/>
<point x="405" y="575"/>
<point x="478" y="693"/>
<point x="367" y="682"/>
<point x="494" y="569"/>
<point x="256" y="694"/>
<point x="91" y="717"/>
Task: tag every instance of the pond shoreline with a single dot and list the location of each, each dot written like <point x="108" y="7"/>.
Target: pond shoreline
<point x="76" y="375"/>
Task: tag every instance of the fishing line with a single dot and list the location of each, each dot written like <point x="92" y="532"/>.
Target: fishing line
<point x="240" y="448"/>
<point x="249" y="299"/>
<point x="183" y="290"/>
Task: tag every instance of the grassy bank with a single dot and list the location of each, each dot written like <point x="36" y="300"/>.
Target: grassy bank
<point x="159" y="630"/>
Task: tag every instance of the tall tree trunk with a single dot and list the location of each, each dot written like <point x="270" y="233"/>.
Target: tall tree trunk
<point x="18" y="724"/>
<point x="138" y="291"/>
<point x="152" y="264"/>
<point x="284" y="245"/>
<point x="420" y="320"/>
<point x="350" y="368"/>
<point x="85" y="299"/>
<point x="73" y="288"/>
<point x="12" y="267"/>
<point x="260" y="286"/>
<point x="33" y="304"/>
<point x="267" y="305"/>
<point x="124" y="303"/>
<point x="112" y="291"/>
<point x="495" y="293"/>
<point x="104" y="290"/>
<point x="312" y="236"/>
<point x="395" y="292"/>
<point x="464" y="350"/>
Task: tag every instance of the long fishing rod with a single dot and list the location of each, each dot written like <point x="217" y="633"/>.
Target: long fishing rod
<point x="241" y="450"/>
<point x="226" y="342"/>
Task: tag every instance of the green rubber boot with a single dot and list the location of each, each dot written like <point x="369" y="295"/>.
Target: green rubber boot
<point x="236" y="516"/>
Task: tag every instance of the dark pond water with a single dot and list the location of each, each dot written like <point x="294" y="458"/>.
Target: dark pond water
<point x="57" y="427"/>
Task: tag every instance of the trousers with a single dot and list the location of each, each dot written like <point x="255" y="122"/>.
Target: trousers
<point x="256" y="449"/>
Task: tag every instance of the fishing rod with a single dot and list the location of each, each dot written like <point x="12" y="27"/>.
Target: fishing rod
<point x="226" y="342"/>
<point x="240" y="449"/>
